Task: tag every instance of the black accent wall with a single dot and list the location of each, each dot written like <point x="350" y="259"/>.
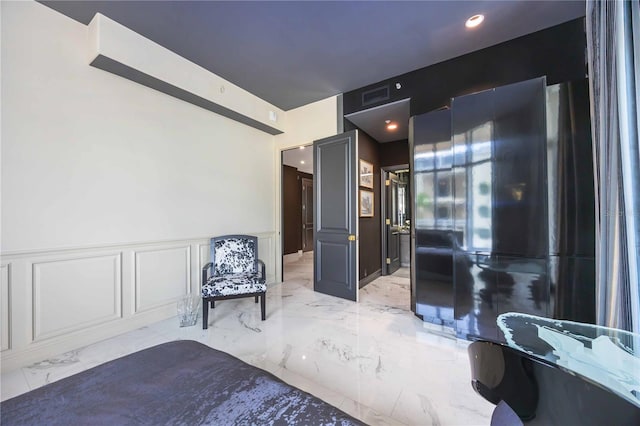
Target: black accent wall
<point x="292" y="208"/>
<point x="557" y="53"/>
<point x="380" y="155"/>
<point x="369" y="227"/>
<point x="563" y="249"/>
<point x="394" y="153"/>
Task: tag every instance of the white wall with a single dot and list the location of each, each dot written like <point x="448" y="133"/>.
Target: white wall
<point x="104" y="184"/>
<point x="308" y="123"/>
<point x="304" y="125"/>
<point x="91" y="158"/>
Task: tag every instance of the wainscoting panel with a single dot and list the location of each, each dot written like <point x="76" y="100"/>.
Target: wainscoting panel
<point x="203" y="258"/>
<point x="54" y="301"/>
<point x="162" y="276"/>
<point x="71" y="294"/>
<point x="266" y="252"/>
<point x="5" y="293"/>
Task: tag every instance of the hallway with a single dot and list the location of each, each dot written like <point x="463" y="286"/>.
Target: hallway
<point x="389" y="290"/>
<point x="392" y="292"/>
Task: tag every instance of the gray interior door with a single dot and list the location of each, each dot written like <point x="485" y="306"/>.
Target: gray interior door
<point x="335" y="179"/>
<point x="307" y="214"/>
<point x="392" y="224"/>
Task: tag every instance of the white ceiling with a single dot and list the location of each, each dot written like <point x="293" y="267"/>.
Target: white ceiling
<point x="291" y="53"/>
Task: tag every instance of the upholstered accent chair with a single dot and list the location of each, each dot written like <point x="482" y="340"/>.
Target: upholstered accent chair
<point x="234" y="271"/>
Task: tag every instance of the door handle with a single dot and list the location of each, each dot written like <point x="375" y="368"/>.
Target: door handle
<point x="351" y="237"/>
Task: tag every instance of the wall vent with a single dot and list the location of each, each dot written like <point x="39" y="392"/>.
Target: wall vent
<point x="375" y="95"/>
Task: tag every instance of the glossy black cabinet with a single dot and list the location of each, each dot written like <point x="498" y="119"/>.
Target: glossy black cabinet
<point x="504" y="207"/>
<point x="434" y="239"/>
<point x="572" y="288"/>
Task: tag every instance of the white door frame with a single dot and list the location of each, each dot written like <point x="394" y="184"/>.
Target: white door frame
<point x="278" y="205"/>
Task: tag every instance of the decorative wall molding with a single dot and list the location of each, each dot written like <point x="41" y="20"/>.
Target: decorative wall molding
<point x="46" y="299"/>
<point x="203" y="258"/>
<point x="164" y="280"/>
<point x="121" y="245"/>
<point x="87" y="291"/>
<point x="266" y="248"/>
<point x="5" y="306"/>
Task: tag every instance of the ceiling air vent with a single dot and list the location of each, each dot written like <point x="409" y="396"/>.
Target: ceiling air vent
<point x="375" y="95"/>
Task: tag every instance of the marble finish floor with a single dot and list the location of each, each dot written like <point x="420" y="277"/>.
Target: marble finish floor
<point x="373" y="359"/>
<point x="389" y="290"/>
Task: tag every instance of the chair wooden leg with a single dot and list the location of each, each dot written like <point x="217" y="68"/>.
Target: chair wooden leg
<point x="213" y="304"/>
<point x="263" y="305"/>
<point x="256" y="299"/>
<point x="205" y="314"/>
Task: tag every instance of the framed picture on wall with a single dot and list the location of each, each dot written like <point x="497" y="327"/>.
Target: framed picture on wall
<point x="366" y="203"/>
<point x="366" y="174"/>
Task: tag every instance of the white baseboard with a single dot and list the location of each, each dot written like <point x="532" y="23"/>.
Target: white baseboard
<point x="14" y="359"/>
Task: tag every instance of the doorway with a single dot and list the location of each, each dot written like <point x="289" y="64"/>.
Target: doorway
<point x="326" y="211"/>
<point x="341" y="239"/>
<point x="392" y="291"/>
<point x="392" y="225"/>
<point x="297" y="213"/>
<point x="396" y="220"/>
<point x="307" y="214"/>
<point x="336" y="245"/>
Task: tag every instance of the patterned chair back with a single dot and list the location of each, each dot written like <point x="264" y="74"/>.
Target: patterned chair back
<point x="234" y="254"/>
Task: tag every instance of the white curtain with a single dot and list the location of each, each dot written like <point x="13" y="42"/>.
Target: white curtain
<point x="613" y="50"/>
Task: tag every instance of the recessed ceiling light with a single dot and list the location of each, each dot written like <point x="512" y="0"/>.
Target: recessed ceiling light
<point x="301" y="161"/>
<point x="474" y="21"/>
<point x="392" y="126"/>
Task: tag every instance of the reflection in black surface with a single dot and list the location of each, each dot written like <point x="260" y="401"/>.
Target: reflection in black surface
<point x="571" y="295"/>
<point x="543" y="394"/>
<point x="501" y="374"/>
<point x="504" y="207"/>
<point x="434" y="240"/>
<point x="504" y="174"/>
